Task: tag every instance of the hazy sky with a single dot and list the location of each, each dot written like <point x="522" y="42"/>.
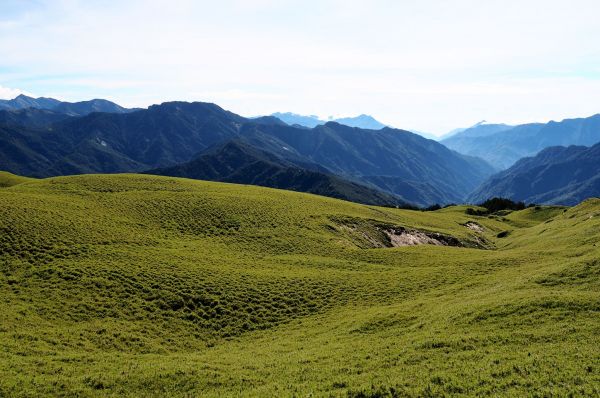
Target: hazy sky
<point x="429" y="65"/>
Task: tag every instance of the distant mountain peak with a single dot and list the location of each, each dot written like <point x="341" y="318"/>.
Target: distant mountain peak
<point x="502" y="145"/>
<point x="488" y="123"/>
<point x="81" y="108"/>
<point x="363" y="121"/>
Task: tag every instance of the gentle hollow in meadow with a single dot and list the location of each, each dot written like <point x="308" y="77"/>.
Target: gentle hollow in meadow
<point x="130" y="285"/>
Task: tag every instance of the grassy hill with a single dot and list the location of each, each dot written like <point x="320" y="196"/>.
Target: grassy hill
<point x="130" y="285"/>
<point x="8" y="179"/>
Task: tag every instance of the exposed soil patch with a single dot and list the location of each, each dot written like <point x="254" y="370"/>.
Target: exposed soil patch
<point x="363" y="237"/>
<point x="373" y="234"/>
<point x="473" y="226"/>
<point x="400" y="236"/>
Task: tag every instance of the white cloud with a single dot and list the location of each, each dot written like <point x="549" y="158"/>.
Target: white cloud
<point x="10" y="93"/>
<point x="432" y="65"/>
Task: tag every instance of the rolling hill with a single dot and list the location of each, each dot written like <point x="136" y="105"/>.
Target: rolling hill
<point x="174" y="133"/>
<point x="503" y="145"/>
<point x="556" y="175"/>
<point x="9" y="179"/>
<point x="137" y="285"/>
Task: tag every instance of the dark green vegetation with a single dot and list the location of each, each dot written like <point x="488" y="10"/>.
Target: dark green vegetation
<point x="557" y="175"/>
<point x="405" y="166"/>
<point x="238" y="162"/>
<point x="495" y="205"/>
<point x="131" y="285"/>
<point x="503" y="145"/>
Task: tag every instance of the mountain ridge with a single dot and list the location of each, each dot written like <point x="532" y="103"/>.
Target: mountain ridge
<point x="173" y="133"/>
<point x="361" y="121"/>
<point x="238" y="162"/>
<point x="80" y="108"/>
<point x="556" y="175"/>
<point x="511" y="143"/>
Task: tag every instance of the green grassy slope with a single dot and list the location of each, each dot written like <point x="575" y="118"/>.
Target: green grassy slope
<point x="129" y="285"/>
<point x="8" y="179"/>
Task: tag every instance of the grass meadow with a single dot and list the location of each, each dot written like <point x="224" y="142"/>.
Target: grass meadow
<point x="130" y="285"/>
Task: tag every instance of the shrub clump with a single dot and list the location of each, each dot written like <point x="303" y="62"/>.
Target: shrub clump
<point x="494" y="205"/>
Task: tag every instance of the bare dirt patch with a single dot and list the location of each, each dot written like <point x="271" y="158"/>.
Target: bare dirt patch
<point x="473" y="226"/>
<point x="400" y="236"/>
<point x="374" y="234"/>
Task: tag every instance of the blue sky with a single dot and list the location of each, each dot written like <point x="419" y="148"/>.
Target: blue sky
<point x="421" y="64"/>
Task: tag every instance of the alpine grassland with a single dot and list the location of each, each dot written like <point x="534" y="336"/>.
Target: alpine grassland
<point x="9" y="179"/>
<point x="146" y="286"/>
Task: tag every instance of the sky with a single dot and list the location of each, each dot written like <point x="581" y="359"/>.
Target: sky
<point x="426" y="65"/>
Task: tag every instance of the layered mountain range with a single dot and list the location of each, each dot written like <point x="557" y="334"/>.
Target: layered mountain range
<point x="387" y="166"/>
<point x="68" y="108"/>
<point x="43" y="137"/>
<point x="556" y="175"/>
<point x="360" y="121"/>
<point x="238" y="162"/>
<point x="502" y="145"/>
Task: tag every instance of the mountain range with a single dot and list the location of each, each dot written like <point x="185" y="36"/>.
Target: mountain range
<point x="399" y="166"/>
<point x="361" y="121"/>
<point x="42" y="137"/>
<point x="556" y="175"/>
<point x="68" y="108"/>
<point x="502" y="145"/>
<point x="388" y="159"/>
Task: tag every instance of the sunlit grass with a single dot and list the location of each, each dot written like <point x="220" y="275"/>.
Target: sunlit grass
<point x="151" y="286"/>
